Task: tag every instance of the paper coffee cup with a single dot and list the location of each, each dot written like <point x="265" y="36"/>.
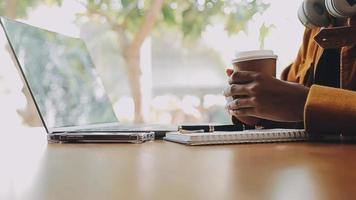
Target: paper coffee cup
<point x="263" y="61"/>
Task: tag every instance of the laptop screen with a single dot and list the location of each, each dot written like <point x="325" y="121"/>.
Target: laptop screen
<point x="61" y="76"/>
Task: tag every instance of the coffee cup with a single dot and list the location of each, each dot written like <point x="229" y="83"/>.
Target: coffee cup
<point x="263" y="61"/>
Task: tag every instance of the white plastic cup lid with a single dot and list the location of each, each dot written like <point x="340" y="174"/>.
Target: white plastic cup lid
<point x="241" y="56"/>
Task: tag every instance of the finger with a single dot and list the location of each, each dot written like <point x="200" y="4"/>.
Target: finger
<point x="236" y="89"/>
<point x="229" y="72"/>
<point x="229" y="99"/>
<point x="240" y="103"/>
<point x="243" y="112"/>
<point x="242" y="77"/>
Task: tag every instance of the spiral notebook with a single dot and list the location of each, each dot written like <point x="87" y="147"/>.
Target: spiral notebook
<point x="236" y="137"/>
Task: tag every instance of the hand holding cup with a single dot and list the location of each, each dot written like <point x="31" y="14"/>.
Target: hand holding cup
<point x="262" y="61"/>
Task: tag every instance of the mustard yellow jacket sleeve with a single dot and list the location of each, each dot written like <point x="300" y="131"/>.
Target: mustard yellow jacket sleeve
<point x="327" y="110"/>
<point x="330" y="111"/>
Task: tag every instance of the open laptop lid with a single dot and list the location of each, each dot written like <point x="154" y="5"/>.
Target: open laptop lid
<point x="61" y="77"/>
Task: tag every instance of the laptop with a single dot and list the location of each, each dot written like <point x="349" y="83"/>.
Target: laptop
<point x="66" y="89"/>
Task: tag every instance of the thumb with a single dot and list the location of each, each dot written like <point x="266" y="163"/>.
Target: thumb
<point x="229" y="72"/>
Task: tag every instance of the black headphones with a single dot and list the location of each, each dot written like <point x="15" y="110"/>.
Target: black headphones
<point x="318" y="13"/>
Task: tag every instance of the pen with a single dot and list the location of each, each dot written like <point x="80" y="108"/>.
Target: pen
<point x="209" y="128"/>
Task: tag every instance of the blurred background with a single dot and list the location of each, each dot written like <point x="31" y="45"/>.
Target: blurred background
<point x="161" y="61"/>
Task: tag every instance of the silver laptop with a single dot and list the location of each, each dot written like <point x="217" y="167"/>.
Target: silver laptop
<point x="68" y="94"/>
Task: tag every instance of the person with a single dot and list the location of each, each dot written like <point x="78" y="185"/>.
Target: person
<point x="316" y="92"/>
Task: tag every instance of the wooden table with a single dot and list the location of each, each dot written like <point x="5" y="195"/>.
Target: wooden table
<point x="33" y="169"/>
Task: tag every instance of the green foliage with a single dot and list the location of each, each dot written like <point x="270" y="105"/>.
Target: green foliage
<point x="264" y="31"/>
<point x="21" y="7"/>
<point x="194" y="16"/>
<point x="2" y="7"/>
<point x="189" y="16"/>
<point x="169" y="15"/>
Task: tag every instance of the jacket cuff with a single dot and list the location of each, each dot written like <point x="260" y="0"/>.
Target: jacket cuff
<point x="330" y="111"/>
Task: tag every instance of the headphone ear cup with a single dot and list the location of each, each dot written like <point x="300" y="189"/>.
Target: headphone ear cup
<point x="312" y="13"/>
<point x="303" y="17"/>
<point x="341" y="8"/>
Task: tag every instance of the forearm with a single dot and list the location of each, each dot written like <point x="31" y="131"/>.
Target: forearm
<point x="330" y="111"/>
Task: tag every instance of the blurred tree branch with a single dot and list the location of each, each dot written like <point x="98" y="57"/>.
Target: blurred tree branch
<point x="10" y="8"/>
